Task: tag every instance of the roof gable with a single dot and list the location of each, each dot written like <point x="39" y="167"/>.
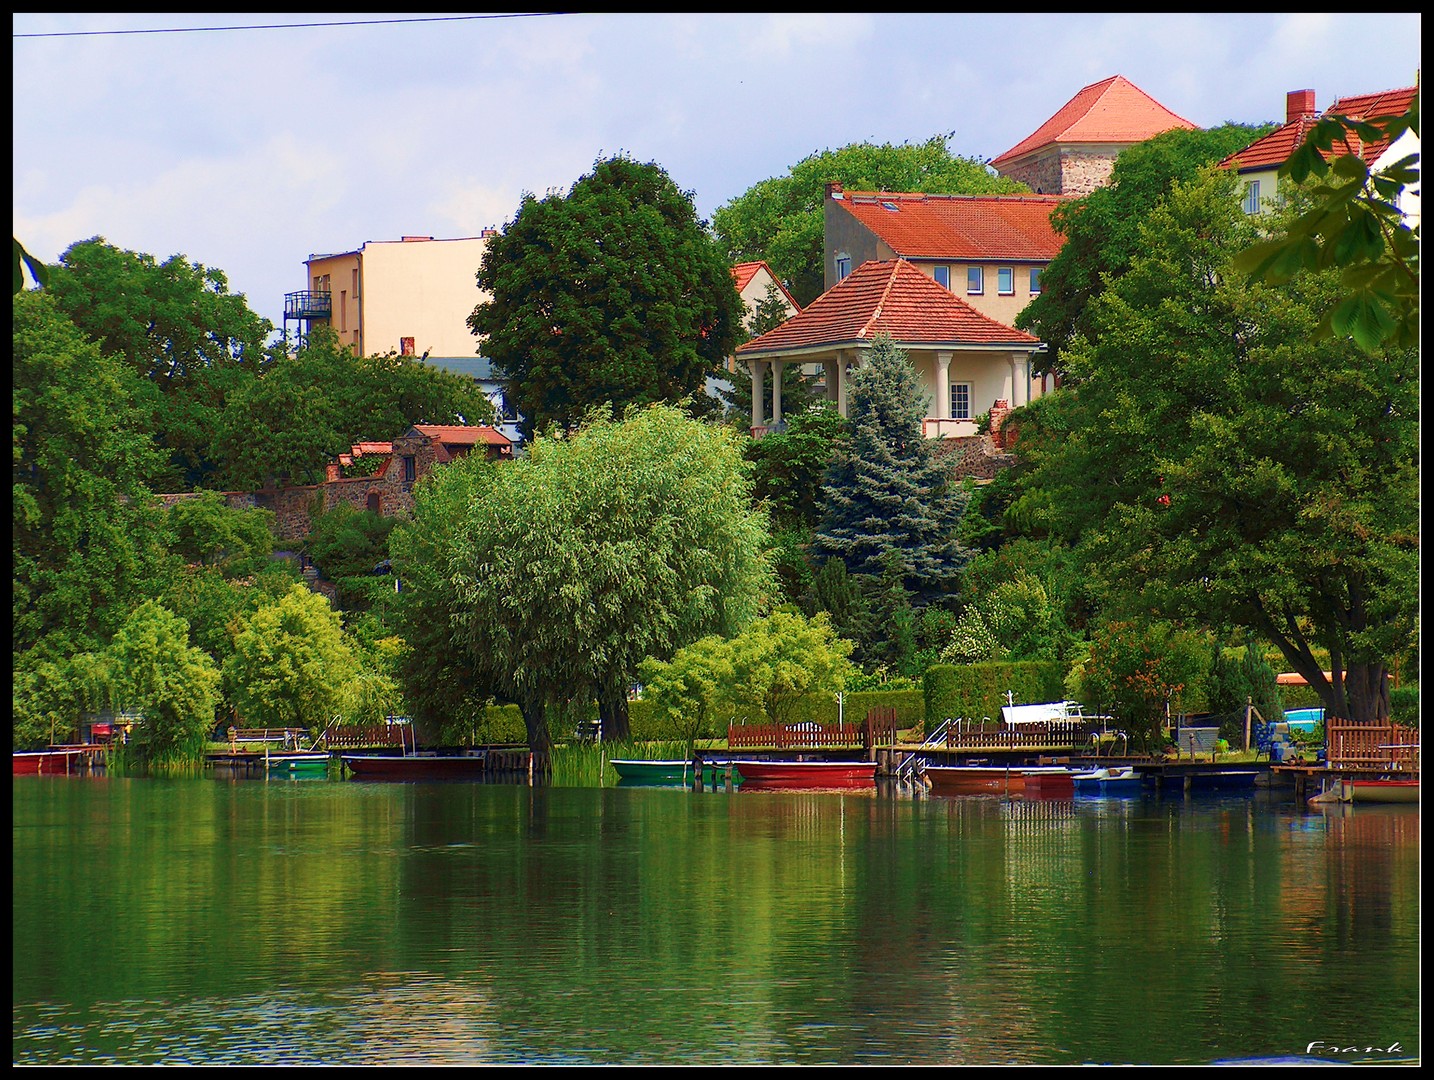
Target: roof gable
<point x="462" y="435"/>
<point x="891" y="297"/>
<point x="743" y="273"/>
<point x="1275" y="148"/>
<point x="1113" y="110"/>
<point x="918" y="226"/>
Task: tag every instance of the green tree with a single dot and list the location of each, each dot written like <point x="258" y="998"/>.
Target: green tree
<point x="687" y="692"/>
<point x="837" y="593"/>
<point x="1352" y="221"/>
<point x="1219" y="461"/>
<point x="560" y="572"/>
<point x="1102" y="229"/>
<point x="51" y="692"/>
<point x="613" y="293"/>
<point x="1142" y="671"/>
<point x="177" y="326"/>
<point x="175" y="685"/>
<point x="306" y="409"/>
<point x="208" y="531"/>
<point x="85" y="537"/>
<point x="781" y="220"/>
<point x="292" y="665"/>
<point x="885" y="495"/>
<point x="779" y="659"/>
<point x="789" y="467"/>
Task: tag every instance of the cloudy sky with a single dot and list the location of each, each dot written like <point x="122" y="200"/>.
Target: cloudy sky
<point x="250" y="149"/>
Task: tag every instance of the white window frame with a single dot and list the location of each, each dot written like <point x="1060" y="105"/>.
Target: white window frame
<point x="1252" y="197"/>
<point x="975" y="276"/>
<point x="1035" y="280"/>
<point x="843" y="266"/>
<point x="1006" y="281"/>
<point x="939" y="272"/>
<point x="968" y="390"/>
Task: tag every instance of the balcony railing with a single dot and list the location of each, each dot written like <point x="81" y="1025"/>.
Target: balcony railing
<point x="308" y="305"/>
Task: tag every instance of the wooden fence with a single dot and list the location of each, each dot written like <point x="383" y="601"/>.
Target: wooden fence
<point x="1058" y="735"/>
<point x="878" y="727"/>
<point x="356" y="737"/>
<point x="1350" y="744"/>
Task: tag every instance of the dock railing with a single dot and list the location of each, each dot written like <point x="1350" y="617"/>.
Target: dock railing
<point x="1350" y="744"/>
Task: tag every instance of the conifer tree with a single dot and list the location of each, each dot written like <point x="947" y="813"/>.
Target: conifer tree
<point x="886" y="498"/>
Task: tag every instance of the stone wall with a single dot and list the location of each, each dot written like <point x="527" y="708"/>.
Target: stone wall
<point x="1060" y="171"/>
<point x="972" y="457"/>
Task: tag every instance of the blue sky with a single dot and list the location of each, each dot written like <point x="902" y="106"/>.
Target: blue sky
<point x="250" y="149"/>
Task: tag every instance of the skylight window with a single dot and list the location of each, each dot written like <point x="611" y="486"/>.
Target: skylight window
<point x="890" y="206"/>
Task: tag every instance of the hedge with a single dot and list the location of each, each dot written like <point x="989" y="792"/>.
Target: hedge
<point x="910" y="706"/>
<point x="976" y="691"/>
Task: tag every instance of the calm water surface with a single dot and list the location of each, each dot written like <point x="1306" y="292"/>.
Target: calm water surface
<point x="209" y="921"/>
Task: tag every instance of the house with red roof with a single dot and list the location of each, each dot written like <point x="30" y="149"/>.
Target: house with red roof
<point x="987" y="249"/>
<point x="1074" y="151"/>
<point x="1259" y="163"/>
<point x="968" y="363"/>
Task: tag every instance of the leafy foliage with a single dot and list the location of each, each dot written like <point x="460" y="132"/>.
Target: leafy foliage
<point x="157" y="672"/>
<point x="1140" y="671"/>
<point x="291" y="665"/>
<point x="85" y="540"/>
<point x="1352" y="221"/>
<point x="613" y="293"/>
<point x="1219" y="461"/>
<point x="206" y="530"/>
<point x="777" y="660"/>
<point x="780" y="220"/>
<point x="554" y="576"/>
<point x="1102" y="229"/>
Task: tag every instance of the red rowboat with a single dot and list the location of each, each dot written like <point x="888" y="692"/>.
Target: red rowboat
<point x="45" y="762"/>
<point x="416" y="766"/>
<point x="987" y="779"/>
<point x="822" y="774"/>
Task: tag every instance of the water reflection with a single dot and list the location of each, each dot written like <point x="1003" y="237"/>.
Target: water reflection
<point x="300" y="923"/>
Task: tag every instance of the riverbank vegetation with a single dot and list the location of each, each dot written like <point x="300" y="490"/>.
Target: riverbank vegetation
<point x="1220" y="489"/>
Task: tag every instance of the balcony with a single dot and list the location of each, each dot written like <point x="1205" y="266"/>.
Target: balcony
<point x="308" y="305"/>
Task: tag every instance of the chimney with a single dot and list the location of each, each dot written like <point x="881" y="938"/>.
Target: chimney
<point x="833" y="190"/>
<point x="1298" y="105"/>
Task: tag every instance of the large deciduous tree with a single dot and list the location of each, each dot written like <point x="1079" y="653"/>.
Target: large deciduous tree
<point x="175" y="685"/>
<point x="85" y="539"/>
<point x="554" y="576"/>
<point x="890" y="507"/>
<point x="780" y="220"/>
<point x="613" y="293"/>
<point x="1220" y="462"/>
<point x="1102" y="229"/>
<point x="177" y="325"/>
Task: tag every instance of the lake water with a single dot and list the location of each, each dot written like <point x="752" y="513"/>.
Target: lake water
<point x="249" y="921"/>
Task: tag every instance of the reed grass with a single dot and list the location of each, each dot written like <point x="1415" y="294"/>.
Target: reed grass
<point x="585" y="764"/>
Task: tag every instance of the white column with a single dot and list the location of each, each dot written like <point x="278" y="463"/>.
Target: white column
<point x="755" y="366"/>
<point x="943" y="386"/>
<point x="777" y="366"/>
<point x="1020" y="379"/>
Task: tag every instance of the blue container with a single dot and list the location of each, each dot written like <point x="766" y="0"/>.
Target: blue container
<point x="1304" y="719"/>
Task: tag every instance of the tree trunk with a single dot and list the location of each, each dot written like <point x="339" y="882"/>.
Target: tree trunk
<point x="614" y="713"/>
<point x="540" y="740"/>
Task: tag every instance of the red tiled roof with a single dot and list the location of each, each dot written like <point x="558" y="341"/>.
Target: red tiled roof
<point x="463" y="435"/>
<point x="917" y="226"/>
<point x="743" y="273"/>
<point x="362" y="448"/>
<point x="1275" y="148"/>
<point x="1114" y="110"/>
<point x="891" y="297"/>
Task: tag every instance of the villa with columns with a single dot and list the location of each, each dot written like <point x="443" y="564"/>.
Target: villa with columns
<point x="967" y="362"/>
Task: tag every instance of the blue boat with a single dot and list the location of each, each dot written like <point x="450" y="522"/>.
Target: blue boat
<point x="1116" y="781"/>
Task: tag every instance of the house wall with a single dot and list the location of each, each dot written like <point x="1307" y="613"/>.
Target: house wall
<point x="989" y="374"/>
<point x="989" y="301"/>
<point x="846" y="235"/>
<point x="341" y="276"/>
<point x="421" y="289"/>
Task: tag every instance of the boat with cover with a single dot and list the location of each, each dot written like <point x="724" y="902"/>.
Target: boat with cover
<point x="1118" y="780"/>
